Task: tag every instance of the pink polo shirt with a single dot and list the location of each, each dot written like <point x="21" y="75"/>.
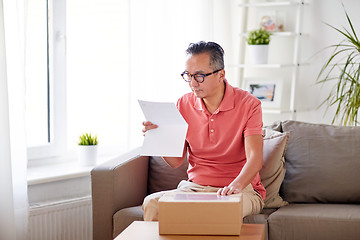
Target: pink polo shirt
<point x="216" y="142"/>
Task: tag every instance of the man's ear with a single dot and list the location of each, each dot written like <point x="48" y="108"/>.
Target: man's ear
<point x="221" y="75"/>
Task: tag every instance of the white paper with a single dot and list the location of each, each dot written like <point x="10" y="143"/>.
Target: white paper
<point x="168" y="139"/>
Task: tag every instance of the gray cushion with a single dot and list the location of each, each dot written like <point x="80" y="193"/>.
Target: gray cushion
<point x="124" y="217"/>
<point x="322" y="163"/>
<point x="163" y="177"/>
<point x="315" y="221"/>
<point x="260" y="219"/>
<point x="273" y="169"/>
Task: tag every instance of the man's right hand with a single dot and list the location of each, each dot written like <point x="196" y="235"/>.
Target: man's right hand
<point x="174" y="162"/>
<point x="148" y="126"/>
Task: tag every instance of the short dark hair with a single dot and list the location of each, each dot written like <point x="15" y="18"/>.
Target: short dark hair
<point x="215" y="50"/>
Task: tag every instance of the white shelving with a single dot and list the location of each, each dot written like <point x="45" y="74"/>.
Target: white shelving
<point x="293" y="35"/>
<point x="275" y="111"/>
<point x="272" y="4"/>
<point x="263" y="65"/>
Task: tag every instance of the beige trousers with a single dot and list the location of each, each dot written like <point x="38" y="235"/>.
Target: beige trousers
<point x="252" y="201"/>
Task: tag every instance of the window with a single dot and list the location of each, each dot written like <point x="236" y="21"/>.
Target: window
<point x="97" y="72"/>
<point x="45" y="78"/>
<point x="37" y="104"/>
<point x="77" y="75"/>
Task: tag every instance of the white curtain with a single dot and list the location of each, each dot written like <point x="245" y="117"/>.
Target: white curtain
<point x="13" y="159"/>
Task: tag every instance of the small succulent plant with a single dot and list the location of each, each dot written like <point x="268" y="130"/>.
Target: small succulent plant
<point x="87" y="139"/>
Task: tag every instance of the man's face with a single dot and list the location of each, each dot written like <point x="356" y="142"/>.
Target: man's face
<point x="200" y="64"/>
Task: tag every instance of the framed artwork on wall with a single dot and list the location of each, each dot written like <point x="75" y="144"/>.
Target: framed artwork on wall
<point x="268" y="91"/>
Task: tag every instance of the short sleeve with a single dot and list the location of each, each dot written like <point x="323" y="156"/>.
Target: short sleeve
<point x="254" y="124"/>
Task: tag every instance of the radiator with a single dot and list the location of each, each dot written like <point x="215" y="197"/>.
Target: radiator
<point x="65" y="220"/>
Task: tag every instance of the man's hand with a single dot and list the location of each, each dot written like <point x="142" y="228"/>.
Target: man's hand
<point x="148" y="126"/>
<point x="228" y="190"/>
<point x="174" y="162"/>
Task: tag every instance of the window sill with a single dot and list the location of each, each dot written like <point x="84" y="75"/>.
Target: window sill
<point x="56" y="172"/>
<point x="61" y="169"/>
<point x="63" y="178"/>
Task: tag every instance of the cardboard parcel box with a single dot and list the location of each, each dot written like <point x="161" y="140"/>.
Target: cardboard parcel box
<point x="200" y="214"/>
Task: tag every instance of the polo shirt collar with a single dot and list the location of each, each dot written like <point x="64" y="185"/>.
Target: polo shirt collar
<point x="226" y="104"/>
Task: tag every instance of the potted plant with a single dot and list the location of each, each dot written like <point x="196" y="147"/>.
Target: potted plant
<point x="258" y="41"/>
<point x="343" y="68"/>
<point x="88" y="148"/>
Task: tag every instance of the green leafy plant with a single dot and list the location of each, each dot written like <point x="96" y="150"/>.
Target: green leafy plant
<point x="343" y="67"/>
<point x="87" y="139"/>
<point x="258" y="37"/>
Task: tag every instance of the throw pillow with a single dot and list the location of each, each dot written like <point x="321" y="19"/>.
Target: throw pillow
<point x="322" y="163"/>
<point x="273" y="170"/>
<point x="163" y="177"/>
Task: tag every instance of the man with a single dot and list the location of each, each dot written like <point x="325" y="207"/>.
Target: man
<point x="224" y="141"/>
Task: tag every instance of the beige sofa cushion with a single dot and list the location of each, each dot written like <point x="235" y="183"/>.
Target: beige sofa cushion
<point x="273" y="170"/>
<point x="322" y="163"/>
<point x="163" y="177"/>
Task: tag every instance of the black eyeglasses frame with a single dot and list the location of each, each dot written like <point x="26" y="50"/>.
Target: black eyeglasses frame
<point x="196" y="76"/>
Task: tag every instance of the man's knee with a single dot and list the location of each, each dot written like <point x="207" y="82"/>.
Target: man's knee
<point x="252" y="201"/>
<point x="150" y="208"/>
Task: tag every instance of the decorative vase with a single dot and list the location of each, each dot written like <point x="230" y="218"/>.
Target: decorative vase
<point x="258" y="54"/>
<point x="87" y="155"/>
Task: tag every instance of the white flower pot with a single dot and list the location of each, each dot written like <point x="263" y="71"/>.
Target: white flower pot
<point x="258" y="54"/>
<point x="87" y="155"/>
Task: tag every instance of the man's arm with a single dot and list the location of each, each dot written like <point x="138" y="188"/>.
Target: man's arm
<point x="176" y="162"/>
<point x="254" y="156"/>
<point x="173" y="162"/>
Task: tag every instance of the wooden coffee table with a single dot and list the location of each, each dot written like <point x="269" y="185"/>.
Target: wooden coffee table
<point x="150" y="230"/>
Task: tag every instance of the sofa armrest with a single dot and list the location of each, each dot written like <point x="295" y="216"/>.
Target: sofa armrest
<point x="119" y="183"/>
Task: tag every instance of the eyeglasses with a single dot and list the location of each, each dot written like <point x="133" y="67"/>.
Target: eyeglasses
<point x="198" y="77"/>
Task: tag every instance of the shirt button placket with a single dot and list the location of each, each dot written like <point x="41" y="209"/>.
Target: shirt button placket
<point x="211" y="127"/>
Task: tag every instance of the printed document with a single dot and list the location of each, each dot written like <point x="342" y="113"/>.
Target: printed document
<point x="168" y="139"/>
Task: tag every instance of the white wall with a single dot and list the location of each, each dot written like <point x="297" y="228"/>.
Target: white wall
<point x="310" y="95"/>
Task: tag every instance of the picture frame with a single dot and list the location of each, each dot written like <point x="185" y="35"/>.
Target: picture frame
<point x="268" y="91"/>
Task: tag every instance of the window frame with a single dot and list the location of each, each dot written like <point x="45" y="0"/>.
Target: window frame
<point x="56" y="83"/>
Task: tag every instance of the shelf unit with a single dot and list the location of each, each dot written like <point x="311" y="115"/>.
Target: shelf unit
<point x="294" y="34"/>
<point x="270" y="4"/>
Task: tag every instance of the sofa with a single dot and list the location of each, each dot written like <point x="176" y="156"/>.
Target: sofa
<point x="311" y="173"/>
